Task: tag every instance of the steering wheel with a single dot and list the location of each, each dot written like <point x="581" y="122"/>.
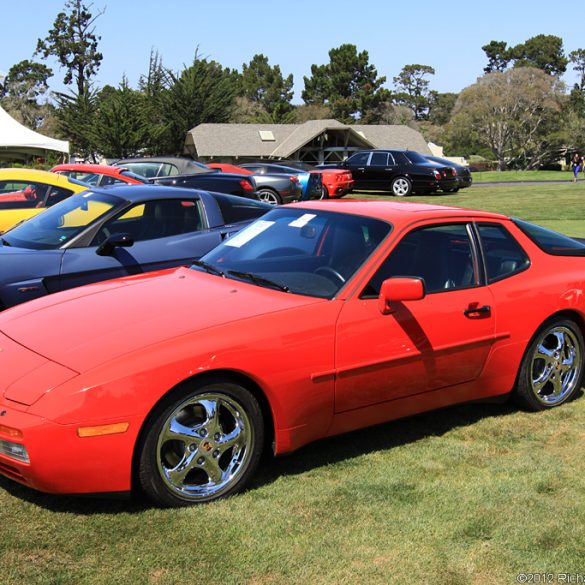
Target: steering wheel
<point x="327" y="271"/>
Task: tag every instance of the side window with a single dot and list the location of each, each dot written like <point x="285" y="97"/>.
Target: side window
<point x="21" y="195"/>
<point x="57" y="194"/>
<point x="379" y="159"/>
<point x="361" y="158"/>
<point x="154" y="219"/>
<point x="168" y="170"/>
<point x="107" y="180"/>
<point x="391" y="161"/>
<point x="441" y="255"/>
<point x="502" y="254"/>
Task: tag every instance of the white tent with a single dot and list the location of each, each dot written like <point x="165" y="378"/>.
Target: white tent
<point x="18" y="141"/>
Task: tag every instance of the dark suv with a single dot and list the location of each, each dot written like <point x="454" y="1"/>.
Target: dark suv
<point x="401" y="172"/>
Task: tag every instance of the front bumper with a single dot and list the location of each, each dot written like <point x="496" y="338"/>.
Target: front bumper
<point x="63" y="462"/>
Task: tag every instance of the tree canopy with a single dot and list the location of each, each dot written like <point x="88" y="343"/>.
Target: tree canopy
<point x="349" y="85"/>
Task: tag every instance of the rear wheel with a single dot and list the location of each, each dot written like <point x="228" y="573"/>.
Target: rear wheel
<point x="269" y="196"/>
<point x="401" y="187"/>
<point x="324" y="193"/>
<point x="201" y="444"/>
<point x="552" y="367"/>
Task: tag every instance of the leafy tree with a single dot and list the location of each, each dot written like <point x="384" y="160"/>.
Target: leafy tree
<point x="498" y="56"/>
<point x="441" y="106"/>
<point x="25" y="83"/>
<point x="203" y="92"/>
<point x="413" y="89"/>
<point x="120" y="126"/>
<point x="577" y="95"/>
<point x="73" y="42"/>
<point x="305" y="112"/>
<point x="75" y="121"/>
<point x="515" y="113"/>
<point x="577" y="58"/>
<point x="349" y="85"/>
<point x="543" y="52"/>
<point x="266" y="86"/>
<point x="155" y="88"/>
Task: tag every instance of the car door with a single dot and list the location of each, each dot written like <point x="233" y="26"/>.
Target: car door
<point x="165" y="233"/>
<point x="358" y="164"/>
<point x="436" y="342"/>
<point x="381" y="170"/>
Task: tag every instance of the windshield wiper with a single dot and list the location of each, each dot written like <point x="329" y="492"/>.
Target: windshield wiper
<point x="208" y="267"/>
<point x="259" y="280"/>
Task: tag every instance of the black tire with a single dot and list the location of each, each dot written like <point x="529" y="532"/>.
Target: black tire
<point x="551" y="371"/>
<point x="201" y="443"/>
<point x="401" y="187"/>
<point x="324" y="192"/>
<point x="269" y="196"/>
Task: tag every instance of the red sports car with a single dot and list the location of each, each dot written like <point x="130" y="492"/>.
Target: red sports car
<point x="98" y="175"/>
<point x="317" y="319"/>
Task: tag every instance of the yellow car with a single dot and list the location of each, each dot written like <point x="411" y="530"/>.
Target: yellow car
<point x="26" y="192"/>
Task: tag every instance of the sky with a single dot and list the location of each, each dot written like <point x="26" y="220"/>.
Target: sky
<point x="448" y="36"/>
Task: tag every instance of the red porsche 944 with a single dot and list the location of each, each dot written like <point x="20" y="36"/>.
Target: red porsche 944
<point x="316" y="319"/>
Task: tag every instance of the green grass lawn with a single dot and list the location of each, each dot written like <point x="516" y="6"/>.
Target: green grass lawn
<point x="557" y="206"/>
<point x="496" y="177"/>
<point x="472" y="494"/>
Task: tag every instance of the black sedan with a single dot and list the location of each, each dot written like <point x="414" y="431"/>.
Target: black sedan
<point x="402" y="172"/>
<point x="463" y="174"/>
<point x="115" y="231"/>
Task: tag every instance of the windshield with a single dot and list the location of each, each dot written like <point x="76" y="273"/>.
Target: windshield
<point x="303" y="251"/>
<point x="59" y="224"/>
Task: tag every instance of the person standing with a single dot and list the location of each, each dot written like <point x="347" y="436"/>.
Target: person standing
<point x="576" y="166"/>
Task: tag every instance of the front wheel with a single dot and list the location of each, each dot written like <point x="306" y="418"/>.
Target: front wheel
<point x="401" y="187"/>
<point x="200" y="444"/>
<point x="552" y="367"/>
<point x="269" y="196"/>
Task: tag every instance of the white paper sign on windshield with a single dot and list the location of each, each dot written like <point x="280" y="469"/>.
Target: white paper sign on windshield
<point x="248" y="233"/>
<point x="303" y="220"/>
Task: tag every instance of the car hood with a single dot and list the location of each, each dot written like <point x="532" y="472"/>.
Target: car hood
<point x="87" y="326"/>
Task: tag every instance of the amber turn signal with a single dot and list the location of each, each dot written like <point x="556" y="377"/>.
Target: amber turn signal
<point x="100" y="430"/>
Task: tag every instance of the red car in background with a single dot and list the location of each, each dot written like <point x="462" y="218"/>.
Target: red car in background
<point x="98" y="175"/>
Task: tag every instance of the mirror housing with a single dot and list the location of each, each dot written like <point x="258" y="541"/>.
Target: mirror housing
<point x="399" y="289"/>
<point x="114" y="241"/>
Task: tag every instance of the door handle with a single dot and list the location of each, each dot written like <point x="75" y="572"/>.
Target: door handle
<point x="472" y="310"/>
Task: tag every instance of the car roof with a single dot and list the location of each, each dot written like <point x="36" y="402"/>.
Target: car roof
<point x="89" y="167"/>
<point x="36" y="175"/>
<point x="146" y="192"/>
<point x="402" y="211"/>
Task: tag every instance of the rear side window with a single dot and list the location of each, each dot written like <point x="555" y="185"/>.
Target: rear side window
<point x="379" y="159"/>
<point x="551" y="242"/>
<point x="502" y="254"/>
<point x="235" y="209"/>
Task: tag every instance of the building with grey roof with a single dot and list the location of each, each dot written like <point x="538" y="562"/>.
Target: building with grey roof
<point x="315" y="141"/>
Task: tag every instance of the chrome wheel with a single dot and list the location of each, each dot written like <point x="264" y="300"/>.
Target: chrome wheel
<point x="201" y="445"/>
<point x="401" y="187"/>
<point x="552" y="367"/>
<point x="269" y="196"/>
<point x="556" y="366"/>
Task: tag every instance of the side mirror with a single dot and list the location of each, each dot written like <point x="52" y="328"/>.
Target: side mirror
<point x="114" y="241"/>
<point x="399" y="289"/>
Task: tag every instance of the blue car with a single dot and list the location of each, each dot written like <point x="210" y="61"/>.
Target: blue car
<point x="115" y="231"/>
